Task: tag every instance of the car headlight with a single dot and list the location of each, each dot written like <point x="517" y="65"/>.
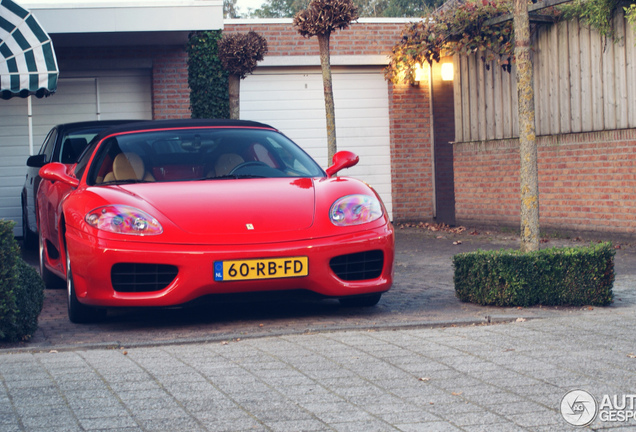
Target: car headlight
<point x="355" y="210"/>
<point x="122" y="219"/>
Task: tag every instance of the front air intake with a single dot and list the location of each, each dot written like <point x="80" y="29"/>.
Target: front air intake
<point x="134" y="277"/>
<point x="358" y="266"/>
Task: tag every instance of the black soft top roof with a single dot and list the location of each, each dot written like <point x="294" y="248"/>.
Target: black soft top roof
<point x="93" y="123"/>
<point x="168" y="124"/>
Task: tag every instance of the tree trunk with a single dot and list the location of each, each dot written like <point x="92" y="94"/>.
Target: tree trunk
<point x="235" y="98"/>
<point x="323" y="44"/>
<point x="529" y="173"/>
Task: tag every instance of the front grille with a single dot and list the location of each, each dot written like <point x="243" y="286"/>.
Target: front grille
<point x="358" y="266"/>
<point x="134" y="277"/>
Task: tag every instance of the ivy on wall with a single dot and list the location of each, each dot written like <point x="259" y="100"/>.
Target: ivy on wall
<point x="466" y="28"/>
<point x="597" y="14"/>
<point x="448" y="31"/>
<point x="630" y="13"/>
<point x="207" y="78"/>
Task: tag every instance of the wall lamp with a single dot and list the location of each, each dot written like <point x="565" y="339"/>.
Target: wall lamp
<point x="447" y="72"/>
<point x="421" y="74"/>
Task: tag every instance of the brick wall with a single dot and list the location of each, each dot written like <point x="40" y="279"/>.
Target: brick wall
<point x="170" y="90"/>
<point x="358" y="39"/>
<point x="587" y="182"/>
<point x="411" y="163"/>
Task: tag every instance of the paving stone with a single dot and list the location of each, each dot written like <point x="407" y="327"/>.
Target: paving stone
<point x="296" y="425"/>
<point x="384" y="369"/>
<point x="439" y="426"/>
<point x="171" y="425"/>
<point x="107" y="423"/>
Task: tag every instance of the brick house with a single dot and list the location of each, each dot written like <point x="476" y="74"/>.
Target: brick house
<point x="125" y="61"/>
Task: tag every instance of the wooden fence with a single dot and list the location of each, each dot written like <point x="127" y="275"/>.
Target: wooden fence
<point x="582" y="83"/>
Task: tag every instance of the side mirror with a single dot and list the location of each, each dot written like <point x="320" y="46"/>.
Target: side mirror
<point x="341" y="160"/>
<point x="36" y="161"/>
<point x="56" y="171"/>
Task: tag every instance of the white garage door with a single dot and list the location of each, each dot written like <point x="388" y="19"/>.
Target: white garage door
<point x="108" y="95"/>
<point x="294" y="103"/>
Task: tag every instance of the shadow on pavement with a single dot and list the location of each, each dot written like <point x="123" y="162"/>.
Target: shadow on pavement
<point x="422" y="295"/>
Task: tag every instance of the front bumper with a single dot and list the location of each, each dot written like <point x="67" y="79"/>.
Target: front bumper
<point x="93" y="259"/>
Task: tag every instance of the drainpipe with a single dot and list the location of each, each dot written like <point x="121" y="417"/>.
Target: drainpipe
<point x="432" y="133"/>
<point x="95" y="80"/>
<point x="98" y="108"/>
<point x="30" y="124"/>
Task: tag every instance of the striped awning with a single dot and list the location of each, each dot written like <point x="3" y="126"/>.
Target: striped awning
<point x="27" y="62"/>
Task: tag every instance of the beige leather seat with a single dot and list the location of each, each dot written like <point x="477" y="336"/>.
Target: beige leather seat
<point x="128" y="166"/>
<point x="226" y="163"/>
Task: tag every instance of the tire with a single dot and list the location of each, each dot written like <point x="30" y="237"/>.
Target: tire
<point x="29" y="238"/>
<point x="50" y="280"/>
<point x="361" y="301"/>
<point x="77" y="312"/>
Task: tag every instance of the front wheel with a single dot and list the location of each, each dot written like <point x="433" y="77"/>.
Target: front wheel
<point x="77" y="312"/>
<point x="361" y="301"/>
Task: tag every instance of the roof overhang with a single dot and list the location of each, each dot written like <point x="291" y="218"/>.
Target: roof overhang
<point x="125" y="22"/>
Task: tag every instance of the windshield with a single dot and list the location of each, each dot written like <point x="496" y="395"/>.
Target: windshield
<point x="199" y="154"/>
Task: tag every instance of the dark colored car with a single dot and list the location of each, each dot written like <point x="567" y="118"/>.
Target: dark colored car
<point x="64" y="143"/>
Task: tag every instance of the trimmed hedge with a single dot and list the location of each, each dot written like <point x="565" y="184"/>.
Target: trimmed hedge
<point x="29" y="300"/>
<point x="557" y="276"/>
<point x="21" y="290"/>
<point x="9" y="253"/>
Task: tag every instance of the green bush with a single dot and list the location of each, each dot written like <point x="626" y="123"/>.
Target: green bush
<point x="21" y="290"/>
<point x="558" y="276"/>
<point x="207" y="78"/>
<point x="29" y="299"/>
<point x="9" y="253"/>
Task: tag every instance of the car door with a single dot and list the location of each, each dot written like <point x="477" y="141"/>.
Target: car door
<point x="51" y="195"/>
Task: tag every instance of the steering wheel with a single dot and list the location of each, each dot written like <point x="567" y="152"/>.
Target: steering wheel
<point x="247" y="164"/>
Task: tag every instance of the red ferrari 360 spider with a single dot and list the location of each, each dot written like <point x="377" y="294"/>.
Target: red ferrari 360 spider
<point x="163" y="213"/>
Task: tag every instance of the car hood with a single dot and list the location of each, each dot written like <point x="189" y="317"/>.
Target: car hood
<point x="233" y="206"/>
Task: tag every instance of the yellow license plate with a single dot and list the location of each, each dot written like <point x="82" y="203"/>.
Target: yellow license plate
<point x="269" y="268"/>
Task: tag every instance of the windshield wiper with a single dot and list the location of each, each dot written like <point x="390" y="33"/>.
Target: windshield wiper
<point x="234" y="176"/>
<point x="222" y="177"/>
<point x="123" y="182"/>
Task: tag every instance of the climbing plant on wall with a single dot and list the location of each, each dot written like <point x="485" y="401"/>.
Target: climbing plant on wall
<point x="469" y="27"/>
<point x="597" y="14"/>
<point x="461" y="29"/>
<point x="207" y="78"/>
<point x="630" y="13"/>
